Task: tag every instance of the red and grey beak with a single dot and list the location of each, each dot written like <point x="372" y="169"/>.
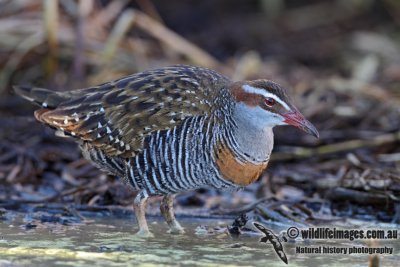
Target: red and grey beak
<point x="296" y="119"/>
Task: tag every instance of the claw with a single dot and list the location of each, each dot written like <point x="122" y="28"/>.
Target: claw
<point x="176" y="230"/>
<point x="144" y="234"/>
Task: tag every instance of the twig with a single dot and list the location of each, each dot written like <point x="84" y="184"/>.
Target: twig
<point x="364" y="198"/>
<point x="174" y="41"/>
<point x="149" y="8"/>
<point x="267" y="213"/>
<point x="117" y="34"/>
<point x="47" y="199"/>
<point x="84" y="8"/>
<point x="103" y="17"/>
<point x="51" y="27"/>
<point x="23" y="48"/>
<point x="301" y="152"/>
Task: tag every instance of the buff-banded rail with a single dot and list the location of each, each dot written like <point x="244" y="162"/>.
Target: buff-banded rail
<point x="171" y="130"/>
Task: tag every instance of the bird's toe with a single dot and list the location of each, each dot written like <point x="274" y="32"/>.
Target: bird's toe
<point x="176" y="230"/>
<point x="144" y="234"/>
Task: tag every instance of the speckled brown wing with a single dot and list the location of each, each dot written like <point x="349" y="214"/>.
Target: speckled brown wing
<point x="117" y="116"/>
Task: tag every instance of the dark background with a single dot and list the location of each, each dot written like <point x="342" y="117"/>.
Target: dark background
<point x="339" y="59"/>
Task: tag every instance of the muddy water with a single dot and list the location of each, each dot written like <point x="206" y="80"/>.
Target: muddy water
<point x="109" y="242"/>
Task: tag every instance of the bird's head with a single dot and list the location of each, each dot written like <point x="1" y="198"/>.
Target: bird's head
<point x="264" y="103"/>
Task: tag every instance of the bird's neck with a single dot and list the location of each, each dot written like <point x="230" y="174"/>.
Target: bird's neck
<point x="253" y="140"/>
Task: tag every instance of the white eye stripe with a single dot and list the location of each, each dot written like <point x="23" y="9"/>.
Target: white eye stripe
<point x="258" y="91"/>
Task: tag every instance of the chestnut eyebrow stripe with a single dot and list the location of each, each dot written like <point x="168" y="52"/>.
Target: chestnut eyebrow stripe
<point x="259" y="91"/>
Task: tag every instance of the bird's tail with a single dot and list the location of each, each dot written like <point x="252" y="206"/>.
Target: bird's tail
<point x="40" y="96"/>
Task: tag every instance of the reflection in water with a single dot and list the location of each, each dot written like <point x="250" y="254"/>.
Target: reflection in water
<point x="111" y="242"/>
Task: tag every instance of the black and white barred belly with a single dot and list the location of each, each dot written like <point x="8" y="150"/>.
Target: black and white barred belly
<point x="176" y="160"/>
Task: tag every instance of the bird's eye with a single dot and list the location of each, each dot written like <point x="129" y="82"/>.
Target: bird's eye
<point x="269" y="101"/>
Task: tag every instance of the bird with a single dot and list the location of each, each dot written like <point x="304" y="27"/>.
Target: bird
<point x="171" y="130"/>
<point x="269" y="236"/>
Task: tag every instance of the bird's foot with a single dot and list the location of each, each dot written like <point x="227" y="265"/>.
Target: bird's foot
<point x="144" y="234"/>
<point x="176" y="230"/>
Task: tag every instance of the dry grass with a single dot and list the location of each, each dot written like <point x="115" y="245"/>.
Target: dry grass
<point x="353" y="100"/>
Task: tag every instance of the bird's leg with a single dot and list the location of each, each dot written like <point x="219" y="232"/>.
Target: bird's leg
<point x="167" y="210"/>
<point x="139" y="206"/>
